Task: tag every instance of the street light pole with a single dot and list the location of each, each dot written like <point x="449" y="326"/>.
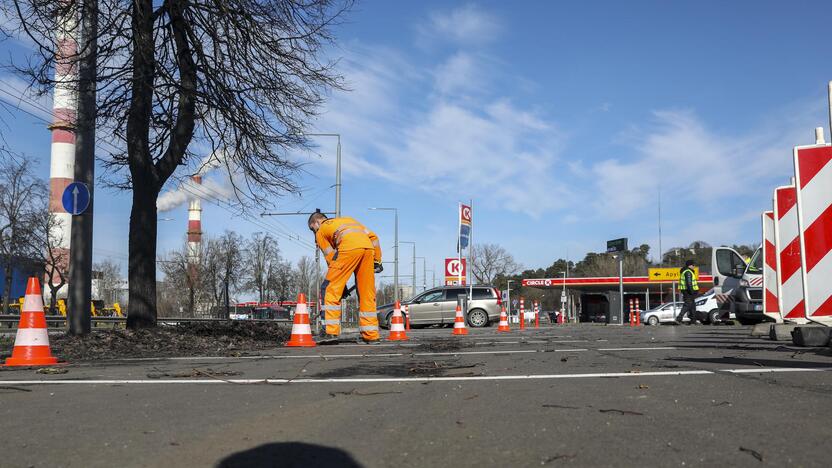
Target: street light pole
<point x="424" y="273"/>
<point x="508" y="296"/>
<point x="414" y="263"/>
<point x="337" y="168"/>
<point x="395" y="250"/>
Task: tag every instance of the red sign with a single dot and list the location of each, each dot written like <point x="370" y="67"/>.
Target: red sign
<point x="454" y="271"/>
<point x="465" y="214"/>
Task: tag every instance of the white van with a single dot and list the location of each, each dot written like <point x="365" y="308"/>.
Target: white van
<point x="738" y="287"/>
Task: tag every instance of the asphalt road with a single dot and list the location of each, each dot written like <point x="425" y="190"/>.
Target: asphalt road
<point x="575" y="395"/>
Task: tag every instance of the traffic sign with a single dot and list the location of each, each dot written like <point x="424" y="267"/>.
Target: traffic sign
<point x="617" y="245"/>
<point x="666" y="274"/>
<point x="76" y="198"/>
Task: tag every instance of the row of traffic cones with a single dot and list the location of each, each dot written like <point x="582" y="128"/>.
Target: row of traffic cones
<point x="302" y="331"/>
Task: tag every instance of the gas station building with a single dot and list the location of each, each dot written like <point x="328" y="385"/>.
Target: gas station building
<point x="598" y="295"/>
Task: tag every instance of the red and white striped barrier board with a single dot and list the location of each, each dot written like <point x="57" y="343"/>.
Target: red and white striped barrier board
<point x="813" y="179"/>
<point x="771" y="303"/>
<point x="787" y="240"/>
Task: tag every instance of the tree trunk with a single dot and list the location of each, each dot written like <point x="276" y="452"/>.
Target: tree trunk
<point x="53" y="299"/>
<point x="7" y="287"/>
<point x="141" y="310"/>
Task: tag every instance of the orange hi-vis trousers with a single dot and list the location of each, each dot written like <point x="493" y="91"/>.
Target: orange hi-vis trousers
<point x="347" y="262"/>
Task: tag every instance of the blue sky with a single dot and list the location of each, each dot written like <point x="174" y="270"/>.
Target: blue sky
<point x="561" y="120"/>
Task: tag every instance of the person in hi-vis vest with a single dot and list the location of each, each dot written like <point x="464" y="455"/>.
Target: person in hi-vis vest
<point x="349" y="248"/>
<point x="689" y="287"/>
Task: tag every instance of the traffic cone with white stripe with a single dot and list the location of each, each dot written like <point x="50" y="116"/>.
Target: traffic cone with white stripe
<point x="31" y="345"/>
<point x="503" y="321"/>
<point x="459" y="322"/>
<point x="397" y="332"/>
<point x="301" y="330"/>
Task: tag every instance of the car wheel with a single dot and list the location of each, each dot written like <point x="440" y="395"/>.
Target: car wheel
<point x="714" y="317"/>
<point x="477" y="318"/>
<point x="653" y="321"/>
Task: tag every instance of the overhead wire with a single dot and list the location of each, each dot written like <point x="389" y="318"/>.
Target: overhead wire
<point x="216" y="198"/>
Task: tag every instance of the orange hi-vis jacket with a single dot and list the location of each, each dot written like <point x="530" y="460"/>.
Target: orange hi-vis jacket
<point x="342" y="234"/>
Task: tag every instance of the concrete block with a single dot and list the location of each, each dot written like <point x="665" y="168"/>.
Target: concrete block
<point x="761" y="329"/>
<point x="811" y="335"/>
<point x="782" y="331"/>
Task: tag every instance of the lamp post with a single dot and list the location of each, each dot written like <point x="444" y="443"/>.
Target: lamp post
<point x="508" y="296"/>
<point x="424" y="273"/>
<point x="564" y="300"/>
<point x="395" y="250"/>
<point x="414" y="263"/>
<point x="337" y="168"/>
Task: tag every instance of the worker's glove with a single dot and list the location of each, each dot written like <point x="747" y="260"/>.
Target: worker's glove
<point x="377" y="267"/>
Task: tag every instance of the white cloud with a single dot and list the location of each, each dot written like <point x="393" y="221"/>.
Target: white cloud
<point x="697" y="168"/>
<point x="468" y="25"/>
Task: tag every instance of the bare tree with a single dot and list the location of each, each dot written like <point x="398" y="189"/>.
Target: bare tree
<point x="261" y="255"/>
<point x="222" y="268"/>
<point x="491" y="260"/>
<point x="238" y="77"/>
<point x="282" y="281"/>
<point x="305" y="278"/>
<point x="46" y="242"/>
<point x="22" y="200"/>
<point x="107" y="275"/>
<point x="184" y="272"/>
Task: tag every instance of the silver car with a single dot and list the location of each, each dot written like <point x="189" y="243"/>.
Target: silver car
<point x="665" y="313"/>
<point x="437" y="306"/>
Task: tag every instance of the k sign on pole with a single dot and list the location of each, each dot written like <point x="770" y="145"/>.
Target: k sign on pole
<point x="787" y="240"/>
<point x="771" y="304"/>
<point x="813" y="179"/>
<point x="455" y="271"/>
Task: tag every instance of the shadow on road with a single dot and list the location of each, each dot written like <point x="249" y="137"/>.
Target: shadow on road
<point x="289" y="455"/>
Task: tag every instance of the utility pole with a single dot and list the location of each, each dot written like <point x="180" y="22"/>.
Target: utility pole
<point x="80" y="262"/>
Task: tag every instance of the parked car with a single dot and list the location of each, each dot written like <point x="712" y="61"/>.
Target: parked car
<point x="665" y="313"/>
<point x="437" y="306"/>
<point x="708" y="309"/>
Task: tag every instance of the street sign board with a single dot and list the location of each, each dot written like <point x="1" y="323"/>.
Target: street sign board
<point x="455" y="271"/>
<point x="666" y="274"/>
<point x="76" y="198"/>
<point x="617" y="245"/>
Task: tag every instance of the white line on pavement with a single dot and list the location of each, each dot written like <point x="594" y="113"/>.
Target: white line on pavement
<point x="407" y="379"/>
<point x="636" y="349"/>
<point x="350" y="380"/>
<point x="764" y="370"/>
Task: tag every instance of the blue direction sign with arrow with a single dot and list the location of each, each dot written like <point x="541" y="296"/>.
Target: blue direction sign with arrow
<point x="76" y="198"/>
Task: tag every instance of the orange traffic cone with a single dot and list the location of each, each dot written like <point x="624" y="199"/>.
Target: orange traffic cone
<point x="459" y="322"/>
<point x="31" y="345"/>
<point x="503" y="321"/>
<point x="397" y="332"/>
<point x="301" y="331"/>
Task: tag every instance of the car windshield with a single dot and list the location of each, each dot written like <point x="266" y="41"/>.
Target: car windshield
<point x="755" y="266"/>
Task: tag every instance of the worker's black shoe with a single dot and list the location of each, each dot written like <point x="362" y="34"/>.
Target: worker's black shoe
<point x="327" y="339"/>
<point x="367" y="342"/>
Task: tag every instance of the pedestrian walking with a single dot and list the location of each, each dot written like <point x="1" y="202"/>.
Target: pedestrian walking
<point x="689" y="287"/>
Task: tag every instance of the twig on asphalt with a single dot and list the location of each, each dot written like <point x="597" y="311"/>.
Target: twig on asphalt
<point x="753" y="453"/>
<point x="560" y="406"/>
<point x="622" y="412"/>
<point x="559" y="457"/>
<point x="357" y="393"/>
<point x="19" y="389"/>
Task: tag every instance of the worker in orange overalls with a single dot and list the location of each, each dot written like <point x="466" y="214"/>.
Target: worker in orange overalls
<point x="349" y="248"/>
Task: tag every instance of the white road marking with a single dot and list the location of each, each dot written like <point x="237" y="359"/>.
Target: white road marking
<point x="350" y="380"/>
<point x="766" y="370"/>
<point x="408" y="379"/>
<point x="478" y="352"/>
<point x="636" y="349"/>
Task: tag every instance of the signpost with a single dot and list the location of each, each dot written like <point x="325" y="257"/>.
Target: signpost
<point x="76" y="198"/>
<point x="666" y="274"/>
<point x="455" y="270"/>
<point x="618" y="246"/>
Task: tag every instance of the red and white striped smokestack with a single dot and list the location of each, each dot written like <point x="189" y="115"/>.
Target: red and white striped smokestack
<point x="195" y="225"/>
<point x="64" y="105"/>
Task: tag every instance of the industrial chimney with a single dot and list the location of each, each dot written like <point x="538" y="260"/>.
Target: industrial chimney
<point x="195" y="225"/>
